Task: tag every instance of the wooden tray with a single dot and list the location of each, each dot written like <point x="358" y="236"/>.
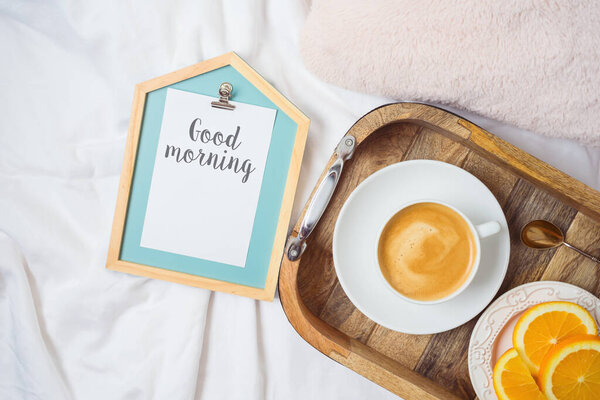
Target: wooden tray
<point x="435" y="366"/>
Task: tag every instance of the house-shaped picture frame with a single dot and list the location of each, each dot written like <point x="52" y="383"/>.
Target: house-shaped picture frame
<point x="259" y="277"/>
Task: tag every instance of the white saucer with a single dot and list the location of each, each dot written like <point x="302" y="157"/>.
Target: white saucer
<point x="492" y="335"/>
<point x="368" y="208"/>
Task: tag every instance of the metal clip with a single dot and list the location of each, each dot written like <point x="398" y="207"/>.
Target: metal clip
<point x="225" y="91"/>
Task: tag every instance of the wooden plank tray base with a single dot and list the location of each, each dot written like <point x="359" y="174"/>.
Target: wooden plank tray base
<point x="435" y="366"/>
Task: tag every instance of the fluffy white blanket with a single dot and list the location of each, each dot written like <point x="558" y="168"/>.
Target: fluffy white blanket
<point x="531" y="63"/>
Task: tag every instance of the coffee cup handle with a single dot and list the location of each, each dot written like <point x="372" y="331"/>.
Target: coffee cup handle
<point x="487" y="229"/>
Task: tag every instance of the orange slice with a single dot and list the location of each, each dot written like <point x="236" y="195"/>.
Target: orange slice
<point x="542" y="326"/>
<point x="572" y="369"/>
<point x="512" y="379"/>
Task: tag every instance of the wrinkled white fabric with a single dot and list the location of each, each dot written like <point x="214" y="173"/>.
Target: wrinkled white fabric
<point x="70" y="329"/>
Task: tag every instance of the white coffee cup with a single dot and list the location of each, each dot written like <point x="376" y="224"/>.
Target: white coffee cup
<point x="479" y="232"/>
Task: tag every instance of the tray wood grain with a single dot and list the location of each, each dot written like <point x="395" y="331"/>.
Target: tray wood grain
<point x="435" y="366"/>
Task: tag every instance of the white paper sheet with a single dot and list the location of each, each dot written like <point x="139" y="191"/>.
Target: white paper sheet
<point x="207" y="177"/>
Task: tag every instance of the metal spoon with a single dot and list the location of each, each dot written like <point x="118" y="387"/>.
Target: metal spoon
<point x="540" y="234"/>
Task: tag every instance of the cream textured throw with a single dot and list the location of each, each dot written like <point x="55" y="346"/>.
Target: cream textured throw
<point x="532" y="63"/>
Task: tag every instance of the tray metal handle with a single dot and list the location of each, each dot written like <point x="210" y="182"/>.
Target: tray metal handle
<point x="319" y="202"/>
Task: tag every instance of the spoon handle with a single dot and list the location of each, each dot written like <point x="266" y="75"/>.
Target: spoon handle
<point x="583" y="253"/>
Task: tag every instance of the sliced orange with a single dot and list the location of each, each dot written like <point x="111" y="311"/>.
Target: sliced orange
<point x="542" y="326"/>
<point x="572" y="369"/>
<point x="512" y="379"/>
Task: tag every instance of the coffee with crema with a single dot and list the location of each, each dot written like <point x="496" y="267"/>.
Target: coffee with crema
<point x="426" y="251"/>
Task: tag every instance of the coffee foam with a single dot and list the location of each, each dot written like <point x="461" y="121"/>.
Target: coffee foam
<point x="426" y="251"/>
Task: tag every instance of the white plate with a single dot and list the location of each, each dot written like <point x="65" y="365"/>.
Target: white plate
<point x="366" y="210"/>
<point x="492" y="335"/>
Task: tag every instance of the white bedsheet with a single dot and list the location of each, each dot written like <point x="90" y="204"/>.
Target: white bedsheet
<point x="71" y="329"/>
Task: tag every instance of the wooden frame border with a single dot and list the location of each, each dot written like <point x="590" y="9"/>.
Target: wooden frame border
<point x="113" y="261"/>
